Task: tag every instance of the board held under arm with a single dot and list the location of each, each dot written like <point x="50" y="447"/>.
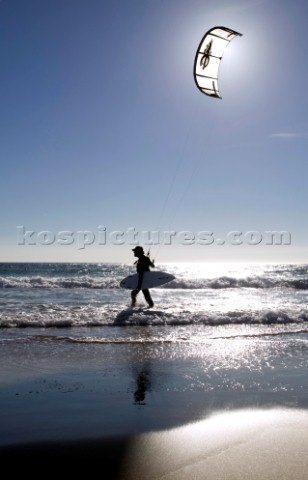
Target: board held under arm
<point x="150" y="280"/>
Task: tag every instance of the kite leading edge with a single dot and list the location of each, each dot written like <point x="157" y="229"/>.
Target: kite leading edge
<point x="208" y="57"/>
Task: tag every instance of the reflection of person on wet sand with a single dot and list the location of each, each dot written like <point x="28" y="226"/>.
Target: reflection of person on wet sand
<point x="143" y="384"/>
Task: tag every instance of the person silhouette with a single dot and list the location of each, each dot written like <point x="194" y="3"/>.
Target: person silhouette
<point x="143" y="265"/>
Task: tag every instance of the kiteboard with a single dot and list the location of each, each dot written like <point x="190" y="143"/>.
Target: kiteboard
<point x="150" y="280"/>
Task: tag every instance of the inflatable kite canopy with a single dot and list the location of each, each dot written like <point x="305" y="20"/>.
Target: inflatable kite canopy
<point x="208" y="57"/>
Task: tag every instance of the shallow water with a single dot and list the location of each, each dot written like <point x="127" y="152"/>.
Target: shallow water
<point x="73" y="295"/>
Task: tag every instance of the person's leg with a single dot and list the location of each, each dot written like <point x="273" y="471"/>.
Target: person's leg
<point x="148" y="297"/>
<point x="134" y="295"/>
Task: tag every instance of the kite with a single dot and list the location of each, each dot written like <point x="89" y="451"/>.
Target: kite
<point x="208" y="57"/>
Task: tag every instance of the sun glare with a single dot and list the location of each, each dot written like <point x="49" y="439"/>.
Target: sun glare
<point x="244" y="440"/>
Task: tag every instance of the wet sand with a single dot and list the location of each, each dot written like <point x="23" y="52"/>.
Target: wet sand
<point x="151" y="413"/>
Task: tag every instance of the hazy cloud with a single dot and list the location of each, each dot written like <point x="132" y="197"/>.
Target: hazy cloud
<point x="289" y="135"/>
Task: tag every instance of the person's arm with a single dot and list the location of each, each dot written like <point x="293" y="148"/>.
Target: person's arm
<point x="150" y="262"/>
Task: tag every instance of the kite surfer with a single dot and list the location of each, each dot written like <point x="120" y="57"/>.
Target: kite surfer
<point x="143" y="264"/>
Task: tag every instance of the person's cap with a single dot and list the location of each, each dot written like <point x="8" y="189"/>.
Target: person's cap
<point x="137" y="249"/>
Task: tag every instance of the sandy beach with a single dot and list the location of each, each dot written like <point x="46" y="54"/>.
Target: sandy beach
<point x="140" y="412"/>
<point x="243" y="444"/>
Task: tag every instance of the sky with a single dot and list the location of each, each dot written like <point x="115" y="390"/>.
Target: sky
<point x="106" y="142"/>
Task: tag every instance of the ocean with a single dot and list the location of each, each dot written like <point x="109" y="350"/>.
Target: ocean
<point x="205" y="304"/>
<point x="270" y="298"/>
